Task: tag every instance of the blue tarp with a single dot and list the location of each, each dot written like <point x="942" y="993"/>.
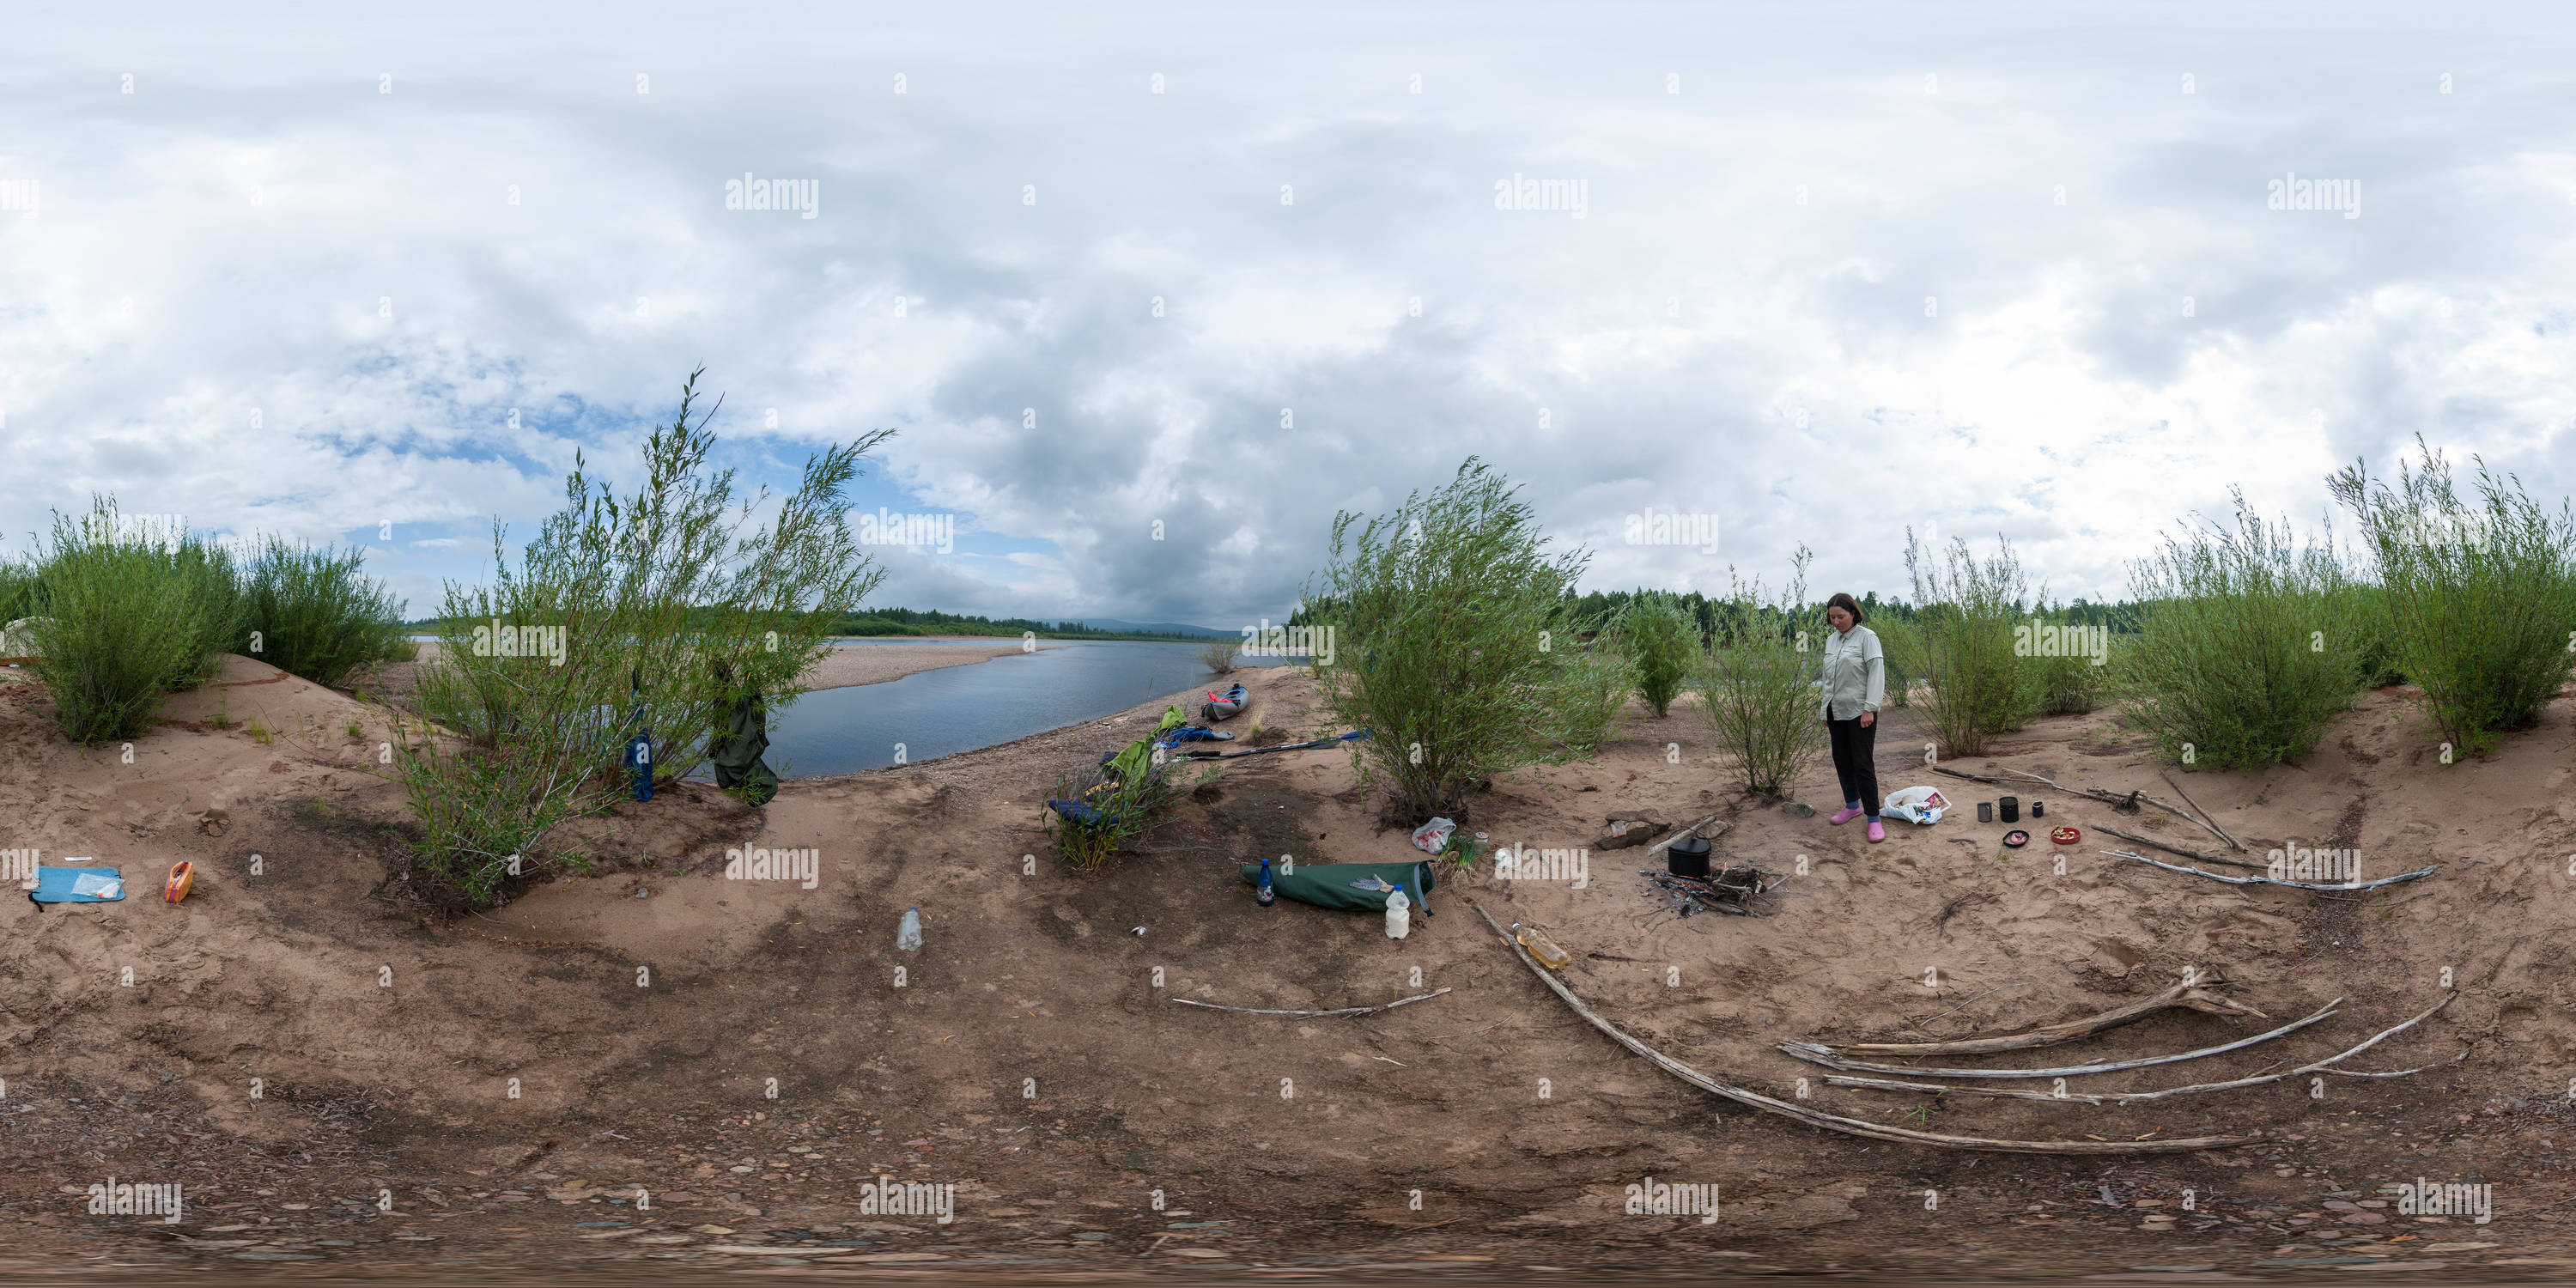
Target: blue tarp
<point x="54" y="885"/>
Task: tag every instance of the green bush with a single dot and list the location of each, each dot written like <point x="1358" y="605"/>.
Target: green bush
<point x="2060" y="673"/>
<point x="2366" y="609"/>
<point x="1661" y="641"/>
<point x="1758" y="679"/>
<point x="1587" y="695"/>
<point x="1127" y="809"/>
<point x="2247" y="650"/>
<point x="654" y="612"/>
<point x="1902" y="647"/>
<point x="120" y="623"/>
<point x="1450" y="616"/>
<point x="2478" y="598"/>
<point x="1965" y="624"/>
<point x="315" y="613"/>
<point x="18" y="590"/>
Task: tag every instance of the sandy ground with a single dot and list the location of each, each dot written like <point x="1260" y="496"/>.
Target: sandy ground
<point x="842" y="668"/>
<point x="748" y="1053"/>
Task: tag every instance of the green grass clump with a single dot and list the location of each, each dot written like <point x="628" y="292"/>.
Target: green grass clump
<point x="2248" y="648"/>
<point x="121" y="622"/>
<point x="1128" y="809"/>
<point x="2477" y="598"/>
<point x="1446" y="650"/>
<point x="315" y="613"/>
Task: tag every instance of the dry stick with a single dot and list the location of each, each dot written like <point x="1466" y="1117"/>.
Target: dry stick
<point x="2131" y="1097"/>
<point x="2269" y="881"/>
<point x="2194" y="855"/>
<point x="1814" y="1054"/>
<point x="1666" y="843"/>
<point x="2180" y="995"/>
<point x="1347" y="1010"/>
<point x="2205" y="815"/>
<point x="1836" y="1122"/>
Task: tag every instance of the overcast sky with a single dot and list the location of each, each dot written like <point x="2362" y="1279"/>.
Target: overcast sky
<point x="1835" y="270"/>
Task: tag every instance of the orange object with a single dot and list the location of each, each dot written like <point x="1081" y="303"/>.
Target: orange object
<point x="182" y="877"/>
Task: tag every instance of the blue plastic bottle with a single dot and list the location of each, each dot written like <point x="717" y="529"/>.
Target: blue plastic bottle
<point x="1266" y="895"/>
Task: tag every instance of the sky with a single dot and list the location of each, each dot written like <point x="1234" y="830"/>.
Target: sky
<point x="1150" y="293"/>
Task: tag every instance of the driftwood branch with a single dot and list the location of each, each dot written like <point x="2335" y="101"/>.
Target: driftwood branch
<point x="1960" y="773"/>
<point x="2207" y="819"/>
<point x="1666" y="843"/>
<point x="2270" y="881"/>
<point x="1814" y="1054"/>
<point x="2132" y="1097"/>
<point x="1836" y="1122"/>
<point x="2180" y="995"/>
<point x="2193" y="855"/>
<point x="1347" y="1010"/>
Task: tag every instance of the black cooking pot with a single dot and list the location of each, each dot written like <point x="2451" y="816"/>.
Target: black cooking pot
<point x="1687" y="857"/>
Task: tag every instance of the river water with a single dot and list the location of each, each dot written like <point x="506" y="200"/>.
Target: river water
<point x="962" y="708"/>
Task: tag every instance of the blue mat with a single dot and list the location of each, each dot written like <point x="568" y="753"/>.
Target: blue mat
<point x="54" y="885"/>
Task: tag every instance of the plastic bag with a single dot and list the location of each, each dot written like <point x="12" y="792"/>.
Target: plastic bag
<point x="1433" y="836"/>
<point x="104" y="885"/>
<point x="1920" y="805"/>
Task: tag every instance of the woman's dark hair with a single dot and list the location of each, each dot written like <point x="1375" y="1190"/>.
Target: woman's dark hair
<point x="1849" y="605"/>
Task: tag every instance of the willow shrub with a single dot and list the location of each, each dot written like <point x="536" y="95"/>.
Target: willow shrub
<point x="1963" y="630"/>
<point x="315" y="613"/>
<point x="1446" y="648"/>
<point x="1588" y="694"/>
<point x="1758" y="679"/>
<point x="648" y="614"/>
<point x="120" y="622"/>
<point x="2248" y="647"/>
<point x="1660" y="640"/>
<point x="2478" y="597"/>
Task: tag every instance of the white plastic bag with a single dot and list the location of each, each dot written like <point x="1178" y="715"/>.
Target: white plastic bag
<point x="1921" y="805"/>
<point x="1432" y="836"/>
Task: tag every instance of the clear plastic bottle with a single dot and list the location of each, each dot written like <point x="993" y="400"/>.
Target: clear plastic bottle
<point x="1399" y="915"/>
<point x="1541" y="947"/>
<point x="908" y="936"/>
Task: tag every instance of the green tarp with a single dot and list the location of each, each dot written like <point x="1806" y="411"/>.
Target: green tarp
<point x="1328" y="885"/>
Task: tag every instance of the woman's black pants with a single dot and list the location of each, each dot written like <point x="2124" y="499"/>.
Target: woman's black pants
<point x="1855" y="761"/>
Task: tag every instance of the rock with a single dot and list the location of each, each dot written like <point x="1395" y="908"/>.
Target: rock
<point x="1631" y="827"/>
<point x="214" y="822"/>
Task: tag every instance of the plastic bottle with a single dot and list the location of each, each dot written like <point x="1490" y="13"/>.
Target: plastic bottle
<point x="908" y="936"/>
<point x="1261" y="889"/>
<point x="1541" y="947"/>
<point x="1399" y="917"/>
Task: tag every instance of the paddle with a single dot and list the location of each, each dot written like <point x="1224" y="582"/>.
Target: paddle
<point x="1264" y="751"/>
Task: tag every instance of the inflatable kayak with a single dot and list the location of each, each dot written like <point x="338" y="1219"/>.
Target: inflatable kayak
<point x="1225" y="705"/>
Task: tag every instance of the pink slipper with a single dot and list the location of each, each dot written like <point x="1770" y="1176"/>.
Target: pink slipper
<point x="1849" y="813"/>
<point x="1877" y="831"/>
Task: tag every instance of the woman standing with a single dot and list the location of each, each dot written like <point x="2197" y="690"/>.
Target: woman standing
<point x="1855" y="680"/>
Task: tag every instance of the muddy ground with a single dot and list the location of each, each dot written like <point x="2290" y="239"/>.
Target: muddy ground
<point x="653" y="1069"/>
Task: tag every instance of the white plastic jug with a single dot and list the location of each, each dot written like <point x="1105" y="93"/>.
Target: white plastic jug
<point x="1399" y="916"/>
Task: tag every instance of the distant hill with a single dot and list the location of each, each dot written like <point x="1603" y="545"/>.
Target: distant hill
<point x="1163" y="628"/>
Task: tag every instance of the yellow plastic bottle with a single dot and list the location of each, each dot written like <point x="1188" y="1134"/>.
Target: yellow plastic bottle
<point x="1541" y="947"/>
